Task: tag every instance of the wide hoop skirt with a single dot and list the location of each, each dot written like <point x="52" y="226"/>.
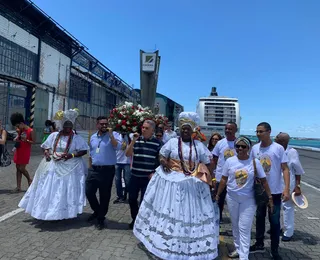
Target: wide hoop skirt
<point x="178" y="219"/>
<point x="57" y="191"/>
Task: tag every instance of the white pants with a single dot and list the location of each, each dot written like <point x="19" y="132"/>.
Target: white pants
<point x="288" y="217"/>
<point x="242" y="211"/>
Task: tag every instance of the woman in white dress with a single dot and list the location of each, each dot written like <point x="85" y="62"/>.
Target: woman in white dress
<point x="177" y="218"/>
<point x="58" y="189"/>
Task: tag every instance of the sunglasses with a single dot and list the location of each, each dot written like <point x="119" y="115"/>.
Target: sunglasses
<point x="241" y="146"/>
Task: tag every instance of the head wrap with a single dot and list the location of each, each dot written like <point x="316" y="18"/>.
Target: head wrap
<point x="69" y="115"/>
<point x="245" y="140"/>
<point x="191" y="119"/>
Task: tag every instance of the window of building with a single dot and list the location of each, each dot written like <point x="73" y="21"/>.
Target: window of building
<point x="79" y="88"/>
<point x="17" y="61"/>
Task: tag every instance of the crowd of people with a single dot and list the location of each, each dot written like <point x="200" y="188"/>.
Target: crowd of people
<point x="182" y="182"/>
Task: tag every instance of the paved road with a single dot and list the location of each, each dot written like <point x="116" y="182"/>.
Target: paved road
<point x="311" y="163"/>
<point x="22" y="237"/>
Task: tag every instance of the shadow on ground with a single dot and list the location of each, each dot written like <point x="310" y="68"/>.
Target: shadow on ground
<point x="60" y="225"/>
<point x="306" y="238"/>
<point x="284" y="252"/>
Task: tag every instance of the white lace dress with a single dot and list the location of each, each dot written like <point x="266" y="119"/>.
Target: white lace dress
<point x="177" y="218"/>
<point x="58" y="188"/>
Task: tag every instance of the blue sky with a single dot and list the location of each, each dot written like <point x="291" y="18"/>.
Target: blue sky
<point x="266" y="53"/>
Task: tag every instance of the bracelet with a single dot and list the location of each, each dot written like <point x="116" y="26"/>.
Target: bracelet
<point x="214" y="179"/>
<point x="72" y="155"/>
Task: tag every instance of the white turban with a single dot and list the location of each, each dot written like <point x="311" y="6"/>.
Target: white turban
<point x="69" y="115"/>
<point x="189" y="118"/>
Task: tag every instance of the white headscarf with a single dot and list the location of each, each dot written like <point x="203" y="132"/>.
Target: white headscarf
<point x="191" y="119"/>
<point x="69" y="115"/>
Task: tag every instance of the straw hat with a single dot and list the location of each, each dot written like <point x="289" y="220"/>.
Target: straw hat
<point x="300" y="201"/>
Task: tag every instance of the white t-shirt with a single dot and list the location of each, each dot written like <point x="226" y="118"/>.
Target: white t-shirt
<point x="294" y="165"/>
<point x="121" y="154"/>
<point x="240" y="175"/>
<point x="271" y="158"/>
<point x="224" y="149"/>
<point x="168" y="135"/>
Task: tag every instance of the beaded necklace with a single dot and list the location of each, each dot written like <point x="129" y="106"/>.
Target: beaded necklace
<point x="184" y="166"/>
<point x="70" y="137"/>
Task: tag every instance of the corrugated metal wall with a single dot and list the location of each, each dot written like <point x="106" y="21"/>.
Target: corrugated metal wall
<point x="14" y="33"/>
<point x="54" y="70"/>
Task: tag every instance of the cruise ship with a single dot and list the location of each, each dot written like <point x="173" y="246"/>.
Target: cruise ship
<point x="215" y="111"/>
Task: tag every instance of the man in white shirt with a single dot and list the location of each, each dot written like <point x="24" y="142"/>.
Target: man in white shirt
<point x="122" y="170"/>
<point x="274" y="162"/>
<point x="168" y="134"/>
<point x="296" y="170"/>
<point x="223" y="150"/>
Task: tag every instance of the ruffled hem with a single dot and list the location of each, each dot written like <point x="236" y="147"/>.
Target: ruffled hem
<point x="52" y="196"/>
<point x="178" y="219"/>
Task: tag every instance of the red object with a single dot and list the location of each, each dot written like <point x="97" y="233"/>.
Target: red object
<point x="23" y="152"/>
<point x="197" y="135"/>
<point x="124" y="122"/>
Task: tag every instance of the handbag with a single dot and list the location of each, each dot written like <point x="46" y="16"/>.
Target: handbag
<point x="5" y="159"/>
<point x="260" y="193"/>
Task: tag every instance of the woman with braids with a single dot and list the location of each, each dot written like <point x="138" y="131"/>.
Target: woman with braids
<point x="238" y="175"/>
<point x="177" y="218"/>
<point x="26" y="137"/>
<point x="58" y="189"/>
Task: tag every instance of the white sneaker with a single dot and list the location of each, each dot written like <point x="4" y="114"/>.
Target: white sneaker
<point x="233" y="254"/>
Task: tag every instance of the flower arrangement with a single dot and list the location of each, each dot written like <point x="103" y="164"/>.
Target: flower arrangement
<point x="160" y="119"/>
<point x="128" y="118"/>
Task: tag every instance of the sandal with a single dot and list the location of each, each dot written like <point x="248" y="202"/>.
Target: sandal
<point x="30" y="182"/>
<point x="16" y="190"/>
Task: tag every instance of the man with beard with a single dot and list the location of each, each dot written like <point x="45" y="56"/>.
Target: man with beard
<point x="102" y="161"/>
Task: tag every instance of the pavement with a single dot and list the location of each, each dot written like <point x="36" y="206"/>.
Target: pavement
<point x="22" y="237"/>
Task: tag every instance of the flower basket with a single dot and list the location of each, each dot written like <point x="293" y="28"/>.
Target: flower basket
<point x="128" y="118"/>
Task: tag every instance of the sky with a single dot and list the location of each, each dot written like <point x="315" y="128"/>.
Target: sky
<point x="265" y="53"/>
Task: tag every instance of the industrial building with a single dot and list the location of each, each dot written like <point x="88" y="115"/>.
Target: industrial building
<point x="43" y="69"/>
<point x="166" y="106"/>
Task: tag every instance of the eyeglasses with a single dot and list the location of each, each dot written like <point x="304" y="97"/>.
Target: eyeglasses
<point x="241" y="146"/>
<point x="260" y="131"/>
